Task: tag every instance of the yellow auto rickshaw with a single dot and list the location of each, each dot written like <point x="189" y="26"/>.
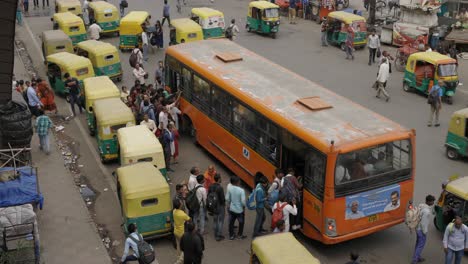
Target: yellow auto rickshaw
<point x="456" y="142"/>
<point x="270" y="249"/>
<point x="424" y="69"/>
<point x="184" y="30"/>
<point x="263" y="17"/>
<point x="96" y="88"/>
<point x="211" y="21"/>
<point x="60" y="63"/>
<point x="104" y="57"/>
<point x="145" y="199"/>
<point x="70" y="24"/>
<point x="338" y="26"/>
<point x="131" y="27"/>
<point x="55" y="41"/>
<point x="139" y="144"/>
<point x="106" y="15"/>
<point x="110" y="114"/>
<point x="72" y="6"/>
<point x="453" y="201"/>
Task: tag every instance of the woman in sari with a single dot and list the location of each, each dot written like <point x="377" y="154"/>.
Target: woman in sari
<point x="46" y="95"/>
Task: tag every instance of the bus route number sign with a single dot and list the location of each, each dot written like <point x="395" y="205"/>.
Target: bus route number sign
<point x="246" y="153"/>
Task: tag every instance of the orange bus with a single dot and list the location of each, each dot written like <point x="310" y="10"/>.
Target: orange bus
<point x="256" y="116"/>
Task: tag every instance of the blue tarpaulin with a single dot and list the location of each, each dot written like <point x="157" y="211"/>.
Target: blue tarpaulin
<point x="22" y="190"/>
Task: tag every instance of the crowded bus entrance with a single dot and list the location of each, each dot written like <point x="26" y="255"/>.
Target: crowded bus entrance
<point x="255" y="116"/>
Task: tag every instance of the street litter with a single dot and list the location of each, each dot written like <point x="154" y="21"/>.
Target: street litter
<point x="59" y="128"/>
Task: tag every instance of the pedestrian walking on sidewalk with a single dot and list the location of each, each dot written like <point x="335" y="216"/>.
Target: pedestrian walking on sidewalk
<point x="43" y="125"/>
<point x="235" y="199"/>
<point x="217" y="200"/>
<point x="180" y="218"/>
<point x="260" y="200"/>
<point x="349" y="44"/>
<point x="434" y="99"/>
<point x="373" y="44"/>
<point x="323" y="32"/>
<point x="74" y="90"/>
<point x="382" y="78"/>
<point x="166" y="13"/>
<point x="426" y="216"/>
<point x="192" y="245"/>
<point x="232" y="30"/>
<point x="455" y="241"/>
<point x="137" y="244"/>
<point x="292" y="11"/>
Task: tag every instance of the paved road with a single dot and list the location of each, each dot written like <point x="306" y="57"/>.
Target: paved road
<point x="297" y="48"/>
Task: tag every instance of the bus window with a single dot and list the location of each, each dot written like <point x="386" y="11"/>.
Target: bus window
<point x="373" y="167"/>
<point x="201" y="93"/>
<point x="267" y="134"/>
<point x="244" y="124"/>
<point x="173" y="74"/>
<point x="186" y="83"/>
<point x="314" y="173"/>
<point x="293" y="152"/>
<point x="221" y="111"/>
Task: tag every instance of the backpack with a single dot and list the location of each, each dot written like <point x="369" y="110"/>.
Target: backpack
<point x="228" y="32"/>
<point x="288" y="189"/>
<point x="277" y="214"/>
<point x="192" y="201"/>
<point x="274" y="195"/>
<point x="133" y="58"/>
<point x="124" y="4"/>
<point x="212" y="200"/>
<point x="433" y="96"/>
<point x="413" y="217"/>
<point x="252" y="201"/>
<point x="145" y="251"/>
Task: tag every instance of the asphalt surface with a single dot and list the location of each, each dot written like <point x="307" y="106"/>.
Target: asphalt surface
<point x="297" y="48"/>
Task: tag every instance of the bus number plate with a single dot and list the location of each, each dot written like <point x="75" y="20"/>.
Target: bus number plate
<point x="373" y="218"/>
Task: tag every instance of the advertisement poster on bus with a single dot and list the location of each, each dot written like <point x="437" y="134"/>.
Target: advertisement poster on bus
<point x="373" y="202"/>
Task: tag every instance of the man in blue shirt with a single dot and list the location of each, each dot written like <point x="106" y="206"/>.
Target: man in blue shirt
<point x="455" y="241"/>
<point x="235" y="199"/>
<point x="166" y="13"/>
<point x="292" y="11"/>
<point x="33" y="101"/>
<point x="260" y="199"/>
<point x="435" y="101"/>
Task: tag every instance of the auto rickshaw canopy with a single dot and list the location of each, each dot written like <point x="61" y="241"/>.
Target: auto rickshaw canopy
<point x="186" y="25"/>
<point x="206" y="12"/>
<point x="78" y="66"/>
<point x="457" y="124"/>
<point x="73" y="6"/>
<point x="56" y="40"/>
<point x="67" y="18"/>
<point x="97" y="48"/>
<point x="270" y="249"/>
<point x="432" y="57"/>
<point x="138" y="140"/>
<point x="111" y="111"/>
<point x="346" y="17"/>
<point x="458" y="187"/>
<point x="131" y="23"/>
<point x="262" y="5"/>
<point x="99" y="87"/>
<point x="102" y="9"/>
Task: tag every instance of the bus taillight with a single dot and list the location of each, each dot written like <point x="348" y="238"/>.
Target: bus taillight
<point x="331" y="227"/>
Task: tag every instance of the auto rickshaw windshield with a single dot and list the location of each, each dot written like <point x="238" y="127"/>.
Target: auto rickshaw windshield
<point x="271" y="13"/>
<point x="445" y="70"/>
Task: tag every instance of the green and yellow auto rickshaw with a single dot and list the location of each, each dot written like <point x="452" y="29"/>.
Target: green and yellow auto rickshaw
<point x="145" y="199"/>
<point x="55" y="41"/>
<point x="339" y="23"/>
<point x="60" y="63"/>
<point x="137" y="144"/>
<point x="107" y="16"/>
<point x="110" y="114"/>
<point x="452" y="202"/>
<point x="263" y="17"/>
<point x="456" y="142"/>
<point x="104" y="57"/>
<point x="96" y="88"/>
<point x="424" y="69"/>
<point x="131" y="27"/>
<point x="184" y="30"/>
<point x="70" y="24"/>
<point x="72" y="6"/>
<point x="211" y="21"/>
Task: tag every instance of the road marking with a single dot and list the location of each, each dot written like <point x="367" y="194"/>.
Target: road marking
<point x="84" y="133"/>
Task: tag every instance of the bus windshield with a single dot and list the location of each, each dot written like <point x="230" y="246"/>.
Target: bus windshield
<point x="447" y="69"/>
<point x="372" y="167"/>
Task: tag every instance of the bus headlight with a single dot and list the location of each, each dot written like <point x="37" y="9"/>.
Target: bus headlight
<point x="330" y="227"/>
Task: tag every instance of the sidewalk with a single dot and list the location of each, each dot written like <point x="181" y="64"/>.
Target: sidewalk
<point x="67" y="232"/>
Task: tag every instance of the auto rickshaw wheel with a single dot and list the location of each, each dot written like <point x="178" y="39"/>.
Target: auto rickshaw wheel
<point x="343" y="46"/>
<point x="67" y="97"/>
<point x="406" y="87"/>
<point x="248" y="28"/>
<point x="449" y="100"/>
<point x="273" y="35"/>
<point x="452" y="153"/>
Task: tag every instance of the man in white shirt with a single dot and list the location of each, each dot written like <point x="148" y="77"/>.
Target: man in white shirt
<point x="199" y="216"/>
<point x="194" y="172"/>
<point x="139" y="54"/>
<point x="163" y="118"/>
<point x="373" y="43"/>
<point x="287" y="209"/>
<point x="150" y="124"/>
<point x="139" y="74"/>
<point x="382" y="78"/>
<point x="94" y="30"/>
<point x="144" y="43"/>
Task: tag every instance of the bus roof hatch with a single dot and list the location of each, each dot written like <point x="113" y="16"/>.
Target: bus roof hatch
<point x="229" y="56"/>
<point x="314" y="103"/>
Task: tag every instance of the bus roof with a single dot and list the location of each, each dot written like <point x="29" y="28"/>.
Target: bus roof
<point x="97" y="46"/>
<point x="271" y="249"/>
<point x="136" y="140"/>
<point x="206" y="12"/>
<point x="432" y="57"/>
<point x="141" y="180"/>
<point x="185" y="25"/>
<point x="346" y="17"/>
<point x="291" y="101"/>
